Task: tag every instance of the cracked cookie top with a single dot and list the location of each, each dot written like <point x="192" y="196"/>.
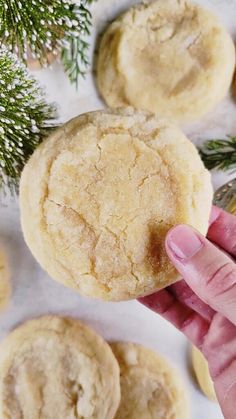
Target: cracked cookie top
<point x="169" y="57"/>
<point x="98" y="197"/>
<point x="150" y="387"/>
<point x="55" y="367"/>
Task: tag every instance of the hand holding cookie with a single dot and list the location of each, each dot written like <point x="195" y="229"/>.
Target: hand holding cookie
<point x="203" y="306"/>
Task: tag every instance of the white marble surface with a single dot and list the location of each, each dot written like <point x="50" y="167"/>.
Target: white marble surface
<point x="34" y="293"/>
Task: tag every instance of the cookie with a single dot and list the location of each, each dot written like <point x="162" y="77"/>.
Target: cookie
<point x="98" y="197"/>
<point x="169" y="57"/>
<point x="150" y="387"/>
<point x="234" y="87"/>
<point x="201" y="370"/>
<point x="5" y="288"/>
<point x="57" y="368"/>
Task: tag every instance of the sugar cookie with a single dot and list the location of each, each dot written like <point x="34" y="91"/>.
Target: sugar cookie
<point x="201" y="369"/>
<point x="169" y="57"/>
<point x="98" y="197"/>
<point x="150" y="387"/>
<point x="5" y="288"/>
<point x="53" y="368"/>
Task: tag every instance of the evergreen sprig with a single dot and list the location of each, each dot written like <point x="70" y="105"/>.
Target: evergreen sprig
<point x="25" y="117"/>
<point x="220" y="154"/>
<point x="47" y="26"/>
<point x="74" y="53"/>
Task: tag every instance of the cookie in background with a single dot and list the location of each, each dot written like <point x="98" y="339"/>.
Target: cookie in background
<point x="173" y="58"/>
<point x="59" y="367"/>
<point x="202" y="373"/>
<point x="150" y="387"/>
<point x="234" y="87"/>
<point x="5" y="285"/>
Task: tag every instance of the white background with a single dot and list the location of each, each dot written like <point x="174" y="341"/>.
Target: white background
<point x="34" y="293"/>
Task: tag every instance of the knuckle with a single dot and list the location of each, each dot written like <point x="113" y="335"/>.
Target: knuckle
<point x="221" y="280"/>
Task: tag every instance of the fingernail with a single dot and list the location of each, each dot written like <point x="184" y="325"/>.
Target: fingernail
<point x="183" y="242"/>
<point x="215" y="213"/>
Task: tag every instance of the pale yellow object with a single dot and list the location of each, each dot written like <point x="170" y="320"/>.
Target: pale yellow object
<point x="34" y="64"/>
<point x="201" y="369"/>
<point x="5" y="287"/>
<point x="57" y="368"/>
<point x="98" y="197"/>
<point x="150" y="387"/>
<point x="170" y="57"/>
<point x="234" y="87"/>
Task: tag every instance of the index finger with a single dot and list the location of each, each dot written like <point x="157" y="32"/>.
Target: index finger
<point x="186" y="320"/>
<point x="222" y="230"/>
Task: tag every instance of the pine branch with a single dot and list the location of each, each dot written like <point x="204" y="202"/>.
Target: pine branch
<point x="74" y="52"/>
<point x="45" y="27"/>
<point x="220" y="154"/>
<point x="75" y="60"/>
<point x="25" y="118"/>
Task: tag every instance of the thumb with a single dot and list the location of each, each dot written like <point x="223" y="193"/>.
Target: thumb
<point x="208" y="271"/>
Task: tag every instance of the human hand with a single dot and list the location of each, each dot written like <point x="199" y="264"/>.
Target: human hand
<point x="203" y="304"/>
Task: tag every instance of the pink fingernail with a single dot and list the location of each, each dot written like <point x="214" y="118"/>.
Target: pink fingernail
<point x="183" y="242"/>
<point x="215" y="213"/>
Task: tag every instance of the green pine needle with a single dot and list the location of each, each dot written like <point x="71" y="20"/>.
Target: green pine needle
<point x="219" y="154"/>
<point x="44" y="27"/>
<point x="74" y="53"/>
<point x="75" y="60"/>
<point x="25" y="118"/>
